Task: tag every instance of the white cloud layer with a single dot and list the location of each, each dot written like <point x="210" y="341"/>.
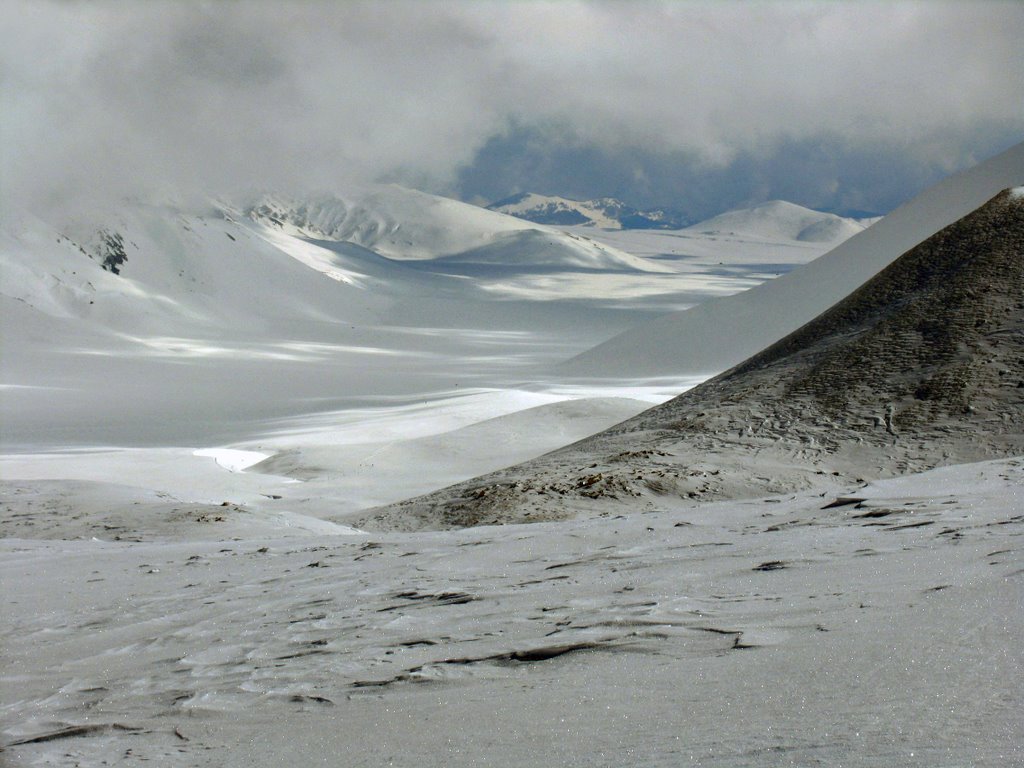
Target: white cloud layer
<point x="125" y="97"/>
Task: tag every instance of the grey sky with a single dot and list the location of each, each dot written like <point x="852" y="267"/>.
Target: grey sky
<point x="693" y="104"/>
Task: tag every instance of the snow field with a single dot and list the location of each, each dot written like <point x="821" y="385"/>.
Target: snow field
<point x="719" y="633"/>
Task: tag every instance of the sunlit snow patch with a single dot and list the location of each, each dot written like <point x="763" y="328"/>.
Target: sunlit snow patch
<point x="231" y="459"/>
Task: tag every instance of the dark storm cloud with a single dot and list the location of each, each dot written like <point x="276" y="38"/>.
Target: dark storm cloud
<point x="827" y="172"/>
<point x="114" y="98"/>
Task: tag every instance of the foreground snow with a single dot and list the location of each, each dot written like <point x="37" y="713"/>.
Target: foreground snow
<point x="880" y="631"/>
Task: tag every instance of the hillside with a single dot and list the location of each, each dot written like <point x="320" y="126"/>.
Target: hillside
<point x="162" y="310"/>
<point x="919" y="367"/>
<point x="408" y="225"/>
<point x="719" y="334"/>
<point x="778" y="219"/>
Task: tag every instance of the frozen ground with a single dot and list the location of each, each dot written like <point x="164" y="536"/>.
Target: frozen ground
<point x="882" y="631"/>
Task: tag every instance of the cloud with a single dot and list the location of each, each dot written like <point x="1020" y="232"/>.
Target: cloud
<point x="115" y="98"/>
<point x="827" y="172"/>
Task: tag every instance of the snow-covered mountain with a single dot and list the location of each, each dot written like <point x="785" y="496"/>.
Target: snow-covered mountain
<point x="214" y="607"/>
<point x="407" y="225"/>
<point x="919" y="367"/>
<point x="775" y="219"/>
<point x="196" y="261"/>
<point x="778" y="219"/>
<point x="393" y="221"/>
<point x="718" y="334"/>
<point x="351" y="288"/>
<point x="605" y="212"/>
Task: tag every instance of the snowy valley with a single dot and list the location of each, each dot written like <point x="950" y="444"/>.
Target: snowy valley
<point x="220" y="422"/>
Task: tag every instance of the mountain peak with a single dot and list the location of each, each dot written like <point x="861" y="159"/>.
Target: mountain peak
<point x="603" y="212"/>
<point x="780" y="219"/>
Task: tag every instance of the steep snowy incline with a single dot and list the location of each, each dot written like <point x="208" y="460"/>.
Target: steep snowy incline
<point x="718" y="334"/>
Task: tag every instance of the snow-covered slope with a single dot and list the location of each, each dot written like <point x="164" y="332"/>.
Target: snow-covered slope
<point x="404" y="224"/>
<point x="921" y="366"/>
<point x="728" y="635"/>
<point x="180" y="270"/>
<point x="552" y="250"/>
<point x="550" y="209"/>
<point x="778" y="219"/>
<point x="142" y="624"/>
<point x="181" y="306"/>
<point x="605" y="212"/>
<point x="151" y="266"/>
<point x="392" y="221"/>
<point x="718" y="334"/>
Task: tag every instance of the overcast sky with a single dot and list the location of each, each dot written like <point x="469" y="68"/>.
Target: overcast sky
<point x="700" y="106"/>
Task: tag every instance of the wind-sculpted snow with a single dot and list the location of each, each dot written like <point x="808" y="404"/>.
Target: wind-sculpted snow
<point x="923" y="365"/>
<point x="713" y="634"/>
<point x="189" y="442"/>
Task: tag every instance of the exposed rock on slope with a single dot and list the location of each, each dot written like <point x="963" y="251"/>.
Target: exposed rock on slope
<point x="921" y="366"/>
<point x="606" y="212"/>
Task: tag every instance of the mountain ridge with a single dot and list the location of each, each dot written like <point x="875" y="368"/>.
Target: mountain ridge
<point x="604" y="212"/>
<point x="918" y="368"/>
<point x="721" y="333"/>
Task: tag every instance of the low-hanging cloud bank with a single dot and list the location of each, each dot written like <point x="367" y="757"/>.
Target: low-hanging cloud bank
<point x="124" y="98"/>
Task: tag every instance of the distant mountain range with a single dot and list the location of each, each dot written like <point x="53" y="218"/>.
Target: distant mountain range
<point x="604" y="212"/>
<point x="609" y="213"/>
<point x="692" y="340"/>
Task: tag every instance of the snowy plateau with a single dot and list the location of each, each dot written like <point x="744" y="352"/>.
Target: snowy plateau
<point x="374" y="477"/>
